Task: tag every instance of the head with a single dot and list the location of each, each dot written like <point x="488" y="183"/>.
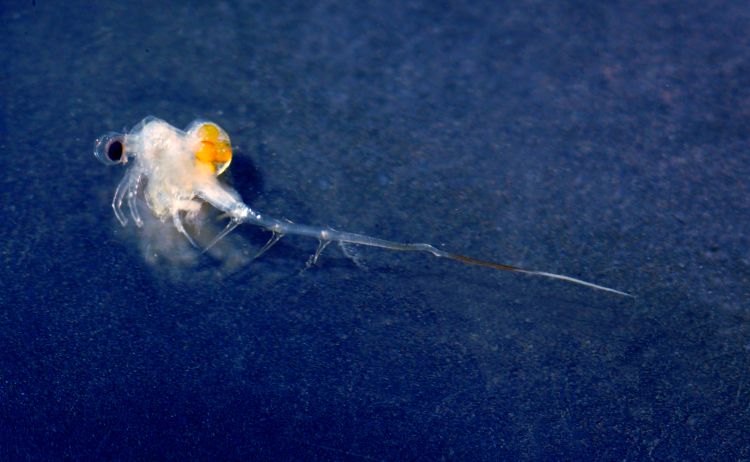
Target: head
<point x="110" y="149"/>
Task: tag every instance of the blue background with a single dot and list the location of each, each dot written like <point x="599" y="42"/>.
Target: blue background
<point x="604" y="140"/>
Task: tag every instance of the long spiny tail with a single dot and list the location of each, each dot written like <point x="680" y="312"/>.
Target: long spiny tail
<point x="420" y="247"/>
<point x="280" y="228"/>
<point x="561" y="277"/>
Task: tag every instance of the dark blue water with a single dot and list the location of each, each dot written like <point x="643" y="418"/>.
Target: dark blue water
<point x="607" y="142"/>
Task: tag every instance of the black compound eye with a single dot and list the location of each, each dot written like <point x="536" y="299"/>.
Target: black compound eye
<point x="110" y="149"/>
<point x="115" y="150"/>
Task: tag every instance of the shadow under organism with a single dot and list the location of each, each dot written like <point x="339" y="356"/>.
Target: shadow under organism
<point x="244" y="177"/>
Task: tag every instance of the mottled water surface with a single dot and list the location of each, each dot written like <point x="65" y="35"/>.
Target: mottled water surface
<point x="610" y="142"/>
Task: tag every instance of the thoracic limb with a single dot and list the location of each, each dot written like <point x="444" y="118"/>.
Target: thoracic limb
<point x="271" y="241"/>
<point x="122" y="189"/>
<point x="233" y="223"/>
<point x="322" y="244"/>
<point x="133" y="186"/>
<point x="177" y="220"/>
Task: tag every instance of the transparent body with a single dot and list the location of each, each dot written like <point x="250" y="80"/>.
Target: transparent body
<point x="177" y="170"/>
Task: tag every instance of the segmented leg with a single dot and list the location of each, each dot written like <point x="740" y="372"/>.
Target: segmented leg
<point x="233" y="223"/>
<point x="122" y="189"/>
<point x="178" y="224"/>
<point x="273" y="240"/>
<point x="314" y="259"/>
<point x="135" y="184"/>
